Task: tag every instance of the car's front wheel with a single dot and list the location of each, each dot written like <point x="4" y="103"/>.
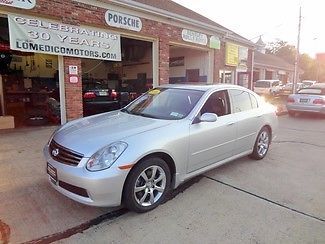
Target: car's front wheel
<point x="147" y="185"/>
<point x="262" y="144"/>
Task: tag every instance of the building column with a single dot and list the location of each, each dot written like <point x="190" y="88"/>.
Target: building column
<point x="250" y="68"/>
<point x="262" y="74"/>
<point x="163" y="61"/>
<point x="219" y="60"/>
<point x="73" y="91"/>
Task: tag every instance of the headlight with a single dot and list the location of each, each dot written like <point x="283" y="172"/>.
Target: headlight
<point x="105" y="157"/>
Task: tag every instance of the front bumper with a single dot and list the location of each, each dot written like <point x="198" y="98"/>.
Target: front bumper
<point x="306" y="108"/>
<point x="103" y="188"/>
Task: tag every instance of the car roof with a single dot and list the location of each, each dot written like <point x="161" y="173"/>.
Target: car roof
<point x="268" y="80"/>
<point x="203" y="88"/>
<point x="318" y="85"/>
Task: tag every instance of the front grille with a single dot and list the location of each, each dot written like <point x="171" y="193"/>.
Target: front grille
<point x="74" y="189"/>
<point x="64" y="155"/>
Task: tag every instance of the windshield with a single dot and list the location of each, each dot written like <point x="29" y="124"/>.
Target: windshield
<point x="262" y="84"/>
<point x="165" y="103"/>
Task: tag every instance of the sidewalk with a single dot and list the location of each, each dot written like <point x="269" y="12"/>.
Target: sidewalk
<point x="29" y="207"/>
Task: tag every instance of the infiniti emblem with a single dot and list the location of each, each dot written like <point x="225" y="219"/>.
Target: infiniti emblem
<point x="55" y="152"/>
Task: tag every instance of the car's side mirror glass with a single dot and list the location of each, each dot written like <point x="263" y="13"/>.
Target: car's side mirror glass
<point x="208" y="117"/>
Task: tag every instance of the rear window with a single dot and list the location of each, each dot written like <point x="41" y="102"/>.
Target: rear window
<point x="312" y="91"/>
<point x="264" y="84"/>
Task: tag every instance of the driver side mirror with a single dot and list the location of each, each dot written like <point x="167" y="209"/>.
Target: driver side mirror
<point x="208" y="117"/>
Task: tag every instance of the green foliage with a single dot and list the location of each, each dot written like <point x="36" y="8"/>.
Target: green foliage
<point x="312" y="70"/>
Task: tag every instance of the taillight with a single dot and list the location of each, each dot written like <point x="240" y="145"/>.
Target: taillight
<point x="319" y="101"/>
<point x="290" y="100"/>
<point x="113" y="94"/>
<point x="89" y="95"/>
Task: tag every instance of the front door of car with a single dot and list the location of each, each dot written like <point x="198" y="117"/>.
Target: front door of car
<point x="212" y="142"/>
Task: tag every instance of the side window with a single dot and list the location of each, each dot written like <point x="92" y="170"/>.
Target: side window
<point x="275" y="83"/>
<point x="253" y="101"/>
<point x="241" y="100"/>
<point x="217" y="103"/>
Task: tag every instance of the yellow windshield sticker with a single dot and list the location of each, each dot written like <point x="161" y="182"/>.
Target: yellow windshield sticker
<point x="154" y="92"/>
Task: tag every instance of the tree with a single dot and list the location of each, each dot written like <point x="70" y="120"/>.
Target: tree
<point x="283" y="50"/>
<point x="311" y="69"/>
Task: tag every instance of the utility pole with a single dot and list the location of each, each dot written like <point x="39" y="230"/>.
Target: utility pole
<point x="296" y="70"/>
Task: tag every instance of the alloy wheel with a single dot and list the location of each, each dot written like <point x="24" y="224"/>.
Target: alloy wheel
<point x="150" y="185"/>
<point x="263" y="143"/>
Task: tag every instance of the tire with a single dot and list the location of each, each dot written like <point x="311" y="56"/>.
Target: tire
<point x="262" y="144"/>
<point x="152" y="190"/>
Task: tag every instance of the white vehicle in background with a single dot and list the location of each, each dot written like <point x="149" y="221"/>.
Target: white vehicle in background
<point x="287" y="88"/>
<point x="267" y="87"/>
<point x="308" y="82"/>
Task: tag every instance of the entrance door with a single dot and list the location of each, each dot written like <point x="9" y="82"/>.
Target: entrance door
<point x="211" y="142"/>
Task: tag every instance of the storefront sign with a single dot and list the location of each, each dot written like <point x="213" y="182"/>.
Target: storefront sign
<point x="31" y="34"/>
<point x="120" y="20"/>
<point x="214" y="42"/>
<point x="73" y="79"/>
<point x="24" y="4"/>
<point x="194" y="37"/>
<point x="231" y="54"/>
<point x="73" y="70"/>
<point x="242" y="56"/>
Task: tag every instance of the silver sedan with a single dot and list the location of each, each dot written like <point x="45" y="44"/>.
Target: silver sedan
<point x="310" y="99"/>
<point x="136" y="155"/>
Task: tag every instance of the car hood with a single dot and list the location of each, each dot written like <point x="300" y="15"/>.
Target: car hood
<point x="89" y="134"/>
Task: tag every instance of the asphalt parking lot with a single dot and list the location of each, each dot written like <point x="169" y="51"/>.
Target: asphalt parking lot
<point x="277" y="200"/>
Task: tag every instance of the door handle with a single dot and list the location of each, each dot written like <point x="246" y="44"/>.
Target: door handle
<point x="230" y="123"/>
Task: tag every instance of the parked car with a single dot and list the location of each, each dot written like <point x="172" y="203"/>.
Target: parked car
<point x="310" y="99"/>
<point x="172" y="133"/>
<point x="267" y="87"/>
<point x="287" y="88"/>
<point x="99" y="98"/>
<point x="308" y="82"/>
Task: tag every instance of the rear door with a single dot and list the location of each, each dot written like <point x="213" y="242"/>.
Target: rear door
<point x="249" y="119"/>
<point x="211" y="142"/>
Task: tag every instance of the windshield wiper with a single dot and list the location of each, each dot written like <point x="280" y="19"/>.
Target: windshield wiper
<point x="125" y="110"/>
<point x="144" y="115"/>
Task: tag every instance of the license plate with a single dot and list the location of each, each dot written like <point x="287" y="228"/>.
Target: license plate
<point x="51" y="171"/>
<point x="304" y="100"/>
<point x="103" y="93"/>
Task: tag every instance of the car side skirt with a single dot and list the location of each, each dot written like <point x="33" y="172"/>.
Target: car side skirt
<point x="179" y="179"/>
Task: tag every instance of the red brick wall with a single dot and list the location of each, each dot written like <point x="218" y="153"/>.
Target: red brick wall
<point x="73" y="91"/>
<point x="75" y="13"/>
<point x="218" y="64"/>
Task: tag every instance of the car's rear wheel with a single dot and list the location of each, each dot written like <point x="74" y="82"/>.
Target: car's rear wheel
<point x="147" y="185"/>
<point x="262" y="144"/>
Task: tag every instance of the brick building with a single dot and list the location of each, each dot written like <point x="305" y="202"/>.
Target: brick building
<point x="60" y="49"/>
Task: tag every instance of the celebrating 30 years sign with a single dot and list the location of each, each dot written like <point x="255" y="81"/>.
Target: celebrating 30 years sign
<point x="31" y="34"/>
<point x="24" y="4"/>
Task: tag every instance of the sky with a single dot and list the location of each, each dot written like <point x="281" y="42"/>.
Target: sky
<point x="273" y="19"/>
